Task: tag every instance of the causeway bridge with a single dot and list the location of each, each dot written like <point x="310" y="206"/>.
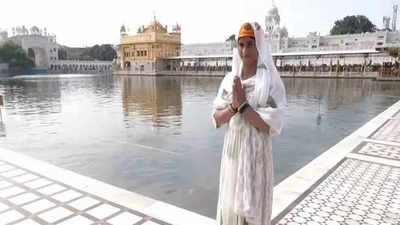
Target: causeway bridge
<point x="74" y="66"/>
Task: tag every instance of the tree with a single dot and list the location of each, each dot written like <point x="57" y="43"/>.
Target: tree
<point x="15" y="56"/>
<point x="353" y="25"/>
<point x="99" y="52"/>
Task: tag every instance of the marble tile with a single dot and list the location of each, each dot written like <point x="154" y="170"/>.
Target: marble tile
<point x="6" y="167"/>
<point x="13" y="173"/>
<point x="55" y="214"/>
<point x="380" y="150"/>
<point x="124" y="218"/>
<point x="66" y="196"/>
<point x="10" y="216"/>
<point x="38" y="206"/>
<point x="83" y="203"/>
<point x="37" y="183"/>
<point x="102" y="211"/>
<point x="389" y="132"/>
<point x="27" y="222"/>
<point x="24" y="178"/>
<point x="5" y="193"/>
<point x="24" y="198"/>
<point x="51" y="189"/>
<point x="4" y="184"/>
<point x="150" y="223"/>
<point x="3" y="207"/>
<point x="77" y="220"/>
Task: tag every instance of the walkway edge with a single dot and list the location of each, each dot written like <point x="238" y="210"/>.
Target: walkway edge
<point x="157" y="209"/>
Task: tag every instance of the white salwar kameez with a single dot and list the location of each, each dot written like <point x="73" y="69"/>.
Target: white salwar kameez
<point x="246" y="176"/>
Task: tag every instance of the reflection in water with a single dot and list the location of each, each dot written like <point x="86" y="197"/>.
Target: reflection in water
<point x="336" y="94"/>
<point x="156" y="98"/>
<point x="154" y="136"/>
<point x="33" y="97"/>
<point x="200" y="89"/>
<point x="35" y="103"/>
<point x="321" y="112"/>
<point x="330" y="90"/>
<point x="3" y="129"/>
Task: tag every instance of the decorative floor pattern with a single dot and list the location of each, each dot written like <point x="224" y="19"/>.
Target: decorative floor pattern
<point x="380" y="150"/>
<point x="27" y="198"/>
<point x="356" y="193"/>
<point x="390" y="131"/>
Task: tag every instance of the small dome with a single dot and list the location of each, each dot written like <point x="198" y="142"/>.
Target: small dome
<point x="122" y="30"/>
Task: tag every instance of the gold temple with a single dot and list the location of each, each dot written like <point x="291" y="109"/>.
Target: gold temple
<point x="142" y="51"/>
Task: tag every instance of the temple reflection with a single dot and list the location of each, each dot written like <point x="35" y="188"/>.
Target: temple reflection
<point x="157" y="99"/>
<point x="332" y="92"/>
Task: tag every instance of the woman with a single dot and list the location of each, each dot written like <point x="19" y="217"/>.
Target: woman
<point x="250" y="100"/>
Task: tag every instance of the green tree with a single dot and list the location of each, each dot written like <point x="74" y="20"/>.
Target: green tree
<point x="353" y="25"/>
<point x="99" y="52"/>
<point x="15" y="56"/>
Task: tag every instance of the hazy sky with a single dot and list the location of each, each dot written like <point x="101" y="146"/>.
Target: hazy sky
<point x="79" y="23"/>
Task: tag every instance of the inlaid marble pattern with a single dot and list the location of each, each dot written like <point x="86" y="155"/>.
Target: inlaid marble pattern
<point x="379" y="150"/>
<point x="356" y="193"/>
<point x="27" y="198"/>
<point x="390" y="131"/>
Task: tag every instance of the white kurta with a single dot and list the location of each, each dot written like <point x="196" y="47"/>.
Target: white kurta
<point x="247" y="153"/>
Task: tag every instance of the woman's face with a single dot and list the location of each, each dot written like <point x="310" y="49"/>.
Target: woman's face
<point x="248" y="50"/>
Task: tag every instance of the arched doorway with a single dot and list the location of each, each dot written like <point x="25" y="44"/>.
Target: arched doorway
<point x="31" y="54"/>
<point x="127" y="65"/>
<point x="39" y="56"/>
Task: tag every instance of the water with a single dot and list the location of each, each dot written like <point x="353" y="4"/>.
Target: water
<point x="154" y="135"/>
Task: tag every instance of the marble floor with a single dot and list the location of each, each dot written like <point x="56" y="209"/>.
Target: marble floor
<point x="362" y="188"/>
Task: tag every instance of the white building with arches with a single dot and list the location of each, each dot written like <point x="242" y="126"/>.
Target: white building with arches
<point x="281" y="43"/>
<point x="43" y="45"/>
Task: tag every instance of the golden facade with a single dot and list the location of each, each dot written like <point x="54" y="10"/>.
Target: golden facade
<point x="151" y="43"/>
<point x="157" y="98"/>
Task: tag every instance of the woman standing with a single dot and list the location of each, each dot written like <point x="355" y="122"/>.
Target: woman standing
<point x="250" y="100"/>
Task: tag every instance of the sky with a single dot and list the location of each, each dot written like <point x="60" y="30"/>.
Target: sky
<point x="83" y="23"/>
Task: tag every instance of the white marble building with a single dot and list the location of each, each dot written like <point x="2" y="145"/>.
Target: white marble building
<point x="42" y="43"/>
<point x="216" y="48"/>
<point x="281" y="42"/>
<point x="316" y="43"/>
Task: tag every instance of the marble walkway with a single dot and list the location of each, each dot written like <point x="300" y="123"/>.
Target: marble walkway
<point x="354" y="182"/>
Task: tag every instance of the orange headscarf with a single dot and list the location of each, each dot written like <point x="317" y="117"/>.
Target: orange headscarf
<point x="246" y="31"/>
